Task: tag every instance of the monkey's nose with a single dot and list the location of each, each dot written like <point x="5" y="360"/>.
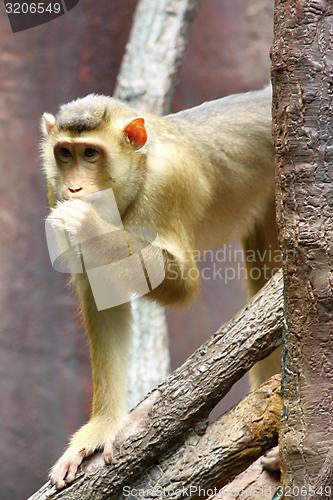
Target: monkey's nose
<point x="75" y="190"/>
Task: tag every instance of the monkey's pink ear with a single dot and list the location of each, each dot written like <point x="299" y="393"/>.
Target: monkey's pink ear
<point x="136" y="132"/>
<point x="47" y="123"/>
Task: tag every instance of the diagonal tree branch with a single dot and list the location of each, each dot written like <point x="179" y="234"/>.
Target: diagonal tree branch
<point x="188" y="395"/>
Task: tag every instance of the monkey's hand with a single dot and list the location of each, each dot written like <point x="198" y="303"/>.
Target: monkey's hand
<point x="80" y="221"/>
<point x="99" y="241"/>
<point x="97" y="434"/>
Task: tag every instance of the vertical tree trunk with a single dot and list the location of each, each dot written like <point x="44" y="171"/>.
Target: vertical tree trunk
<point x="303" y="128"/>
<point x="147" y="80"/>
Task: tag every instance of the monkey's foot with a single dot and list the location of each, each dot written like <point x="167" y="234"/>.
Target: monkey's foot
<point x="97" y="434"/>
<point x="271" y="460"/>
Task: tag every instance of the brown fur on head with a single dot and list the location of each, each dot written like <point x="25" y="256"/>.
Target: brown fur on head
<point x="89" y="113"/>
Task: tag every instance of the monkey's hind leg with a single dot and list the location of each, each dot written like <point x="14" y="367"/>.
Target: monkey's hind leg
<point x="262" y="259"/>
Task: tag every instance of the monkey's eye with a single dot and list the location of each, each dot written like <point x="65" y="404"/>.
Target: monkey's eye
<point x="65" y="153"/>
<point x="91" y="153"/>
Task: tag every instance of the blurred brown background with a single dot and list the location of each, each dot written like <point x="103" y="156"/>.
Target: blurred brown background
<point x="44" y="370"/>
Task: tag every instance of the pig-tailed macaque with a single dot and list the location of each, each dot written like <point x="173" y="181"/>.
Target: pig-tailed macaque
<point x="198" y="178"/>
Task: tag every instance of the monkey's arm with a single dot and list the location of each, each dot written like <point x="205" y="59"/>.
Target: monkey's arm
<point x="109" y="330"/>
<point x="181" y="280"/>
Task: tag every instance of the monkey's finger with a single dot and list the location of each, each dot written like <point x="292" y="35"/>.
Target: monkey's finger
<point x="74" y="222"/>
<point x="77" y="204"/>
<point x="60" y="484"/>
<point x="58" y="475"/>
<point x="75" y="207"/>
<point x="71" y="224"/>
<point x="65" y="214"/>
<point x="72" y="470"/>
<point x="108" y="452"/>
<point x="56" y="222"/>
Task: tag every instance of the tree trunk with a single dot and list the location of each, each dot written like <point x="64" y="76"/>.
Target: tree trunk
<point x="303" y="128"/>
<point x="154" y="54"/>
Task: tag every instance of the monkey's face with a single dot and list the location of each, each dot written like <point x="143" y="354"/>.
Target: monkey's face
<point x="82" y="167"/>
<point x="81" y="157"/>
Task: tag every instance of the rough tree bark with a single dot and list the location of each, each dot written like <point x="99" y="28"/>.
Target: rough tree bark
<point x="227" y="447"/>
<point x="188" y="395"/>
<point x="146" y="81"/>
<point x="303" y="128"/>
<point x="255" y="483"/>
